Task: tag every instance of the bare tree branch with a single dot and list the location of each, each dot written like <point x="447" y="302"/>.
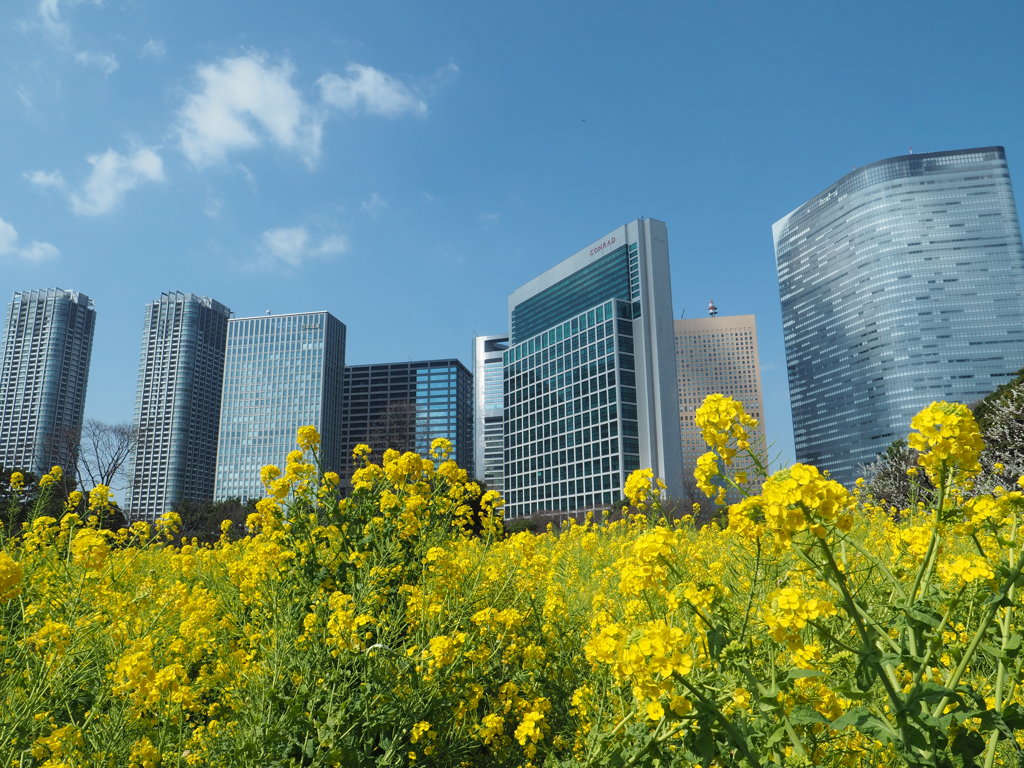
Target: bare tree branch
<point x="103" y="452"/>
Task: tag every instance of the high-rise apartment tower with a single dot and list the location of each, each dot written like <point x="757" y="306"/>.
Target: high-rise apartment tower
<point x="716" y="355"/>
<point x="281" y="372"/>
<point x="590" y="385"/>
<point x="901" y="284"/>
<point x="177" y="403"/>
<point x="489" y="409"/>
<point x="406" y="406"/>
<point x="44" y="371"/>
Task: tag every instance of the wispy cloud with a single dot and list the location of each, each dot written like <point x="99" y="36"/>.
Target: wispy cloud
<point x="107" y="62"/>
<point x="11" y="248"/>
<point x="365" y="89"/>
<point x="213" y="205"/>
<point x="248" y="101"/>
<point x="154" y="48"/>
<point x="56" y="27"/>
<point x="113" y="176"/>
<point x="292" y="247"/>
<point x="488" y="220"/>
<point x="243" y="102"/>
<point x="46" y="179"/>
<point x="374" y="205"/>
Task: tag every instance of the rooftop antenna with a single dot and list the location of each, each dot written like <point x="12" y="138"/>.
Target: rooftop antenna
<point x="911" y="150"/>
<point x="268" y="313"/>
<point x="682" y="314"/>
<point x="712" y="309"/>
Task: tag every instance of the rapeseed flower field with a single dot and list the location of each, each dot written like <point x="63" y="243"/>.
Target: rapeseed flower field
<point x="400" y="626"/>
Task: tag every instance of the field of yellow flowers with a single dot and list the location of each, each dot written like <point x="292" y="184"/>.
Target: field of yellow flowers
<point x="400" y="626"/>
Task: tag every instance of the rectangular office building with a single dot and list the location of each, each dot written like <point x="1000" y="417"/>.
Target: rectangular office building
<point x="489" y="410"/>
<point x="716" y="355"/>
<point x="281" y="372"/>
<point x="590" y="386"/>
<point x="405" y="406"/>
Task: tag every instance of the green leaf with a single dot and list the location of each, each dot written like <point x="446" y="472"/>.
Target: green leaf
<point x="923" y="616"/>
<point x="968" y="745"/>
<point x="705" y="743"/>
<point x="717" y="640"/>
<point x="867" y="671"/>
<point x="862" y="719"/>
<point x="1013" y="716"/>
<point x="775" y="736"/>
<point x="804" y="715"/>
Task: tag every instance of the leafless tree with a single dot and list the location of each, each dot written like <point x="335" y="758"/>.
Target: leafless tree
<point x="103" y="453"/>
<point x="395" y="427"/>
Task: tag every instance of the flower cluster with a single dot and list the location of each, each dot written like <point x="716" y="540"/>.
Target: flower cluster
<point x="949" y="441"/>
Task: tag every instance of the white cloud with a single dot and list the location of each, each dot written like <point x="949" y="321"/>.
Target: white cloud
<point x="370" y="90"/>
<point x="293" y="246"/>
<point x="154" y="48"/>
<point x="242" y="102"/>
<point x="104" y="61"/>
<point x="34" y="253"/>
<point x="374" y="205"/>
<point x="56" y="27"/>
<point x="488" y="220"/>
<point x="114" y="175"/>
<point x="46" y="179"/>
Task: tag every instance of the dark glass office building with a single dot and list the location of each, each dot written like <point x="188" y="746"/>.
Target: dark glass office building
<point x="901" y="284"/>
<point x="406" y="406"/>
<point x="177" y="403"/>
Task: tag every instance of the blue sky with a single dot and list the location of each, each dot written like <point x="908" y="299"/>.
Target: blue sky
<point x="406" y="165"/>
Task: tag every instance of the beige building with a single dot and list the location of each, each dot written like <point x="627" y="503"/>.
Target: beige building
<point x="715" y="355"/>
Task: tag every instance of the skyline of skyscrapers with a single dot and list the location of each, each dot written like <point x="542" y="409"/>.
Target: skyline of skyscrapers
<point x="489" y="409"/>
<point x="590" y="388"/>
<point x="902" y="283"/>
<point x="281" y="372"/>
<point x="44" y="372"/>
<point x="716" y="354"/>
<point x="405" y="406"/>
<point x="177" y="403"/>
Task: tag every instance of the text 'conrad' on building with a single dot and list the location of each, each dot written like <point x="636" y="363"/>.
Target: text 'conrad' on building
<point x="590" y="387"/>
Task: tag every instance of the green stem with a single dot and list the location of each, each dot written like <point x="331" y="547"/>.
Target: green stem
<point x="954" y="678"/>
<point x="711" y="707"/>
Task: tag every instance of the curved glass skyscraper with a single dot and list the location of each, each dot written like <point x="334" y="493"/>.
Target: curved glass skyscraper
<point x="901" y="284"/>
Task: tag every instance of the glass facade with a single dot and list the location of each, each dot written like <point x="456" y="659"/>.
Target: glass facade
<point x="489" y="409"/>
<point x="281" y="372"/>
<point x="571" y="414"/>
<point x="44" y="371"/>
<point x="716" y="355"/>
<point x="406" y="406"/>
<point x="606" y="278"/>
<point x="177" y="403"/>
<point x="901" y="284"/>
<point x="589" y="377"/>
